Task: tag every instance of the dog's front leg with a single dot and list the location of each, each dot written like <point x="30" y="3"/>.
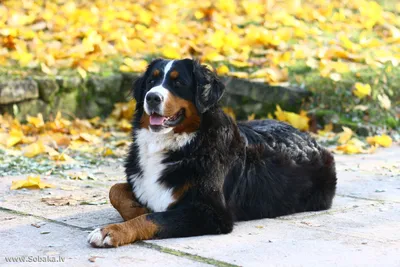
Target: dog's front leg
<point x="193" y="220"/>
<point x="114" y="235"/>
<point x="124" y="201"/>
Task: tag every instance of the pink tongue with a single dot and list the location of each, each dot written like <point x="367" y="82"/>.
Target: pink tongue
<point x="156" y="120"/>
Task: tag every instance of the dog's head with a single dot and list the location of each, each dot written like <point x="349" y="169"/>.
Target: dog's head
<point x="172" y="95"/>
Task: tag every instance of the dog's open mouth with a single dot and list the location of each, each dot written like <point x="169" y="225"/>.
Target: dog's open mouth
<point x="159" y="120"/>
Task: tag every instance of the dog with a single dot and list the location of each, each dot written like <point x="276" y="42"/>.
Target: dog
<point x="192" y="170"/>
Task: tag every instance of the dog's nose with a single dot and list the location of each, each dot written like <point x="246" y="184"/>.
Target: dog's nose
<point x="153" y="99"/>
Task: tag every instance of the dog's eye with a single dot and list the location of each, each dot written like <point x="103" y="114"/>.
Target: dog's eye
<point x="178" y="83"/>
<point x="151" y="81"/>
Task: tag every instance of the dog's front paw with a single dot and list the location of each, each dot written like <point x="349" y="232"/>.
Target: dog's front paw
<point x="107" y="237"/>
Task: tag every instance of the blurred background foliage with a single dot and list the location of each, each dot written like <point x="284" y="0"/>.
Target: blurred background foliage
<point x="346" y="53"/>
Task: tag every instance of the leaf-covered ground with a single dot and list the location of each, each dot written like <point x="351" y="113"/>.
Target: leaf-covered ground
<point x="60" y="144"/>
<point x="332" y="36"/>
<point x="346" y="51"/>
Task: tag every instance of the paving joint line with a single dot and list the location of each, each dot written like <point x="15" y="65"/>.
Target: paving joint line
<point x="316" y="228"/>
<point x="22" y="213"/>
<point x="322" y="212"/>
<point x="296" y="223"/>
<point x="190" y="256"/>
<point x="143" y="244"/>
<point x="370" y="199"/>
<point x="343" y="234"/>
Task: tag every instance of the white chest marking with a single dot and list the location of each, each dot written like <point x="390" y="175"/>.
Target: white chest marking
<point x="152" y="149"/>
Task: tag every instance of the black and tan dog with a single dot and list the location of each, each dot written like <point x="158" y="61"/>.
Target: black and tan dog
<point x="193" y="171"/>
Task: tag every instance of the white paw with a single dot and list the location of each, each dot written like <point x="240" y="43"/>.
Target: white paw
<point x="99" y="240"/>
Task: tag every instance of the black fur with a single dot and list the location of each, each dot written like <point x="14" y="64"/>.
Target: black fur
<point x="236" y="171"/>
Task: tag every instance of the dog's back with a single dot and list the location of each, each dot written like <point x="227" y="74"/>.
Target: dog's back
<point x="284" y="171"/>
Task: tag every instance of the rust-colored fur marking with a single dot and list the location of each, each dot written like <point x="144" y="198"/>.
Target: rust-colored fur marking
<point x="156" y="73"/>
<point x="174" y="74"/>
<point x="192" y="119"/>
<point x="130" y="231"/>
<point x="179" y="192"/>
<point x="144" y="121"/>
<point x="123" y="200"/>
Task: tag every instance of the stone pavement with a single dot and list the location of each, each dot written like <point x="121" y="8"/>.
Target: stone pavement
<point x="361" y="229"/>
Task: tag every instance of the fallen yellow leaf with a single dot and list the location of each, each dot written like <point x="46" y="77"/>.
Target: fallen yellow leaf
<point x="251" y="117"/>
<point x="222" y="70"/>
<point x="345" y="136"/>
<point x="135" y="65"/>
<point x="62" y="157"/>
<point x="125" y="125"/>
<point x="239" y="74"/>
<point x="32" y="182"/>
<point x="108" y="152"/>
<point x="36" y="121"/>
<point x="170" y="52"/>
<point x="382" y="140"/>
<point x="14" y="137"/>
<point x="61" y="140"/>
<point x="299" y="121"/>
<point x="124" y="110"/>
<point x="34" y="149"/>
<point x="349" y="149"/>
<point x="51" y="151"/>
<point x="327" y="129"/>
<point x="384" y="101"/>
<point x="280" y="114"/>
<point x="272" y="75"/>
<point x="89" y="138"/>
<point x="362" y="90"/>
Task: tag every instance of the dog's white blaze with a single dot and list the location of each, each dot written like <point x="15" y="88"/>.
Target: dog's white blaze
<point x="152" y="149"/>
<point x="160" y="88"/>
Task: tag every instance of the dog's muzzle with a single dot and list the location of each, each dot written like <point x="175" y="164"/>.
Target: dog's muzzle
<point x="154" y="100"/>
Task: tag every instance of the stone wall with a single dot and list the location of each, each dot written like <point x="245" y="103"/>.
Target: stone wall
<point x="96" y="95"/>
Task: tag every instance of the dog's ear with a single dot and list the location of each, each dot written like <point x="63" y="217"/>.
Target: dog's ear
<point x="138" y="88"/>
<point x="139" y="85"/>
<point x="209" y="89"/>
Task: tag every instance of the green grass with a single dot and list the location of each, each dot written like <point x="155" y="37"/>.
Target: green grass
<point x="335" y="100"/>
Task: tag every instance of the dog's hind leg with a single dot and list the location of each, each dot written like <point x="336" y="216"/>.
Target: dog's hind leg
<point x="123" y="200"/>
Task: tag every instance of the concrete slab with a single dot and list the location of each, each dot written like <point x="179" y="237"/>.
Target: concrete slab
<point x="380" y="222"/>
<point x="375" y="176"/>
<point x="340" y="203"/>
<point x="360" y="229"/>
<point x="68" y="246"/>
<point x="382" y="157"/>
<point x="364" y="185"/>
<point x="77" y="197"/>
<point x="281" y="243"/>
